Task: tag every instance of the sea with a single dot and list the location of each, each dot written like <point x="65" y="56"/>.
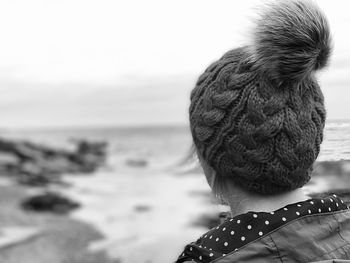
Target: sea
<point x="167" y="141"/>
<point x="140" y="201"/>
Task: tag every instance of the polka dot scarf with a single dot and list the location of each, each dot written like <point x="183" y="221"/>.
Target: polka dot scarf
<point x="240" y="230"/>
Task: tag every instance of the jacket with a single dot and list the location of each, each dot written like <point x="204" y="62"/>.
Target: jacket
<point x="315" y="230"/>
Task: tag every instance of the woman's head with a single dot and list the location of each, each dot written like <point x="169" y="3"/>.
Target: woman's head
<point x="257" y="114"/>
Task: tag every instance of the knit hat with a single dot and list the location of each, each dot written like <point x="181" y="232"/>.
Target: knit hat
<point x="257" y="114"/>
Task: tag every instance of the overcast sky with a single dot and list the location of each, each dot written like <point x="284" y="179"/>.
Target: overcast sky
<point x="98" y="62"/>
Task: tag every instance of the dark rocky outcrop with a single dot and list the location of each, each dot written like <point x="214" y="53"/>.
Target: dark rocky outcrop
<point x="36" y="165"/>
<point x="50" y="202"/>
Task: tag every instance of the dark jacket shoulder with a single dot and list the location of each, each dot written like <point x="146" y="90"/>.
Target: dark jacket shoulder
<point x="309" y="231"/>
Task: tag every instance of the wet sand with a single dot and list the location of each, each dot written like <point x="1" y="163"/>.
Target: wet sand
<point x="42" y="237"/>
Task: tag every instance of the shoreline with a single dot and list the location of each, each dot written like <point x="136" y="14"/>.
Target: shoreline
<point x="139" y="203"/>
<point x="42" y="237"/>
<point x="79" y="235"/>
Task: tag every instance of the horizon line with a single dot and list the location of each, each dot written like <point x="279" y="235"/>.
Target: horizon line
<point x="115" y="126"/>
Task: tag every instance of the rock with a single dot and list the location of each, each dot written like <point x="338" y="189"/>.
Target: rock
<point x="36" y="164"/>
<point x="36" y="180"/>
<point x="89" y="155"/>
<point x="8" y="158"/>
<point x="50" y="202"/>
<point x="136" y="162"/>
<point x="142" y="208"/>
<point x="96" y="148"/>
<point x="30" y="168"/>
<point x="8" y="162"/>
<point x="87" y="163"/>
<point x="34" y="174"/>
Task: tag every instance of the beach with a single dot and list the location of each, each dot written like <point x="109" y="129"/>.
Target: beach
<point x="143" y="204"/>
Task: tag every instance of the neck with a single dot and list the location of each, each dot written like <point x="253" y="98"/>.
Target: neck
<point x="242" y="202"/>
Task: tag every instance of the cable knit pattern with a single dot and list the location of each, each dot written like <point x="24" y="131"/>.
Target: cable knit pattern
<point x="257" y="114"/>
<point x="263" y="136"/>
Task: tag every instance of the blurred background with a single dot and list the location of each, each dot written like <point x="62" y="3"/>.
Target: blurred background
<point x="94" y="130"/>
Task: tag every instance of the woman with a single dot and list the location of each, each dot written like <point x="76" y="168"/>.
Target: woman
<point x="257" y="117"/>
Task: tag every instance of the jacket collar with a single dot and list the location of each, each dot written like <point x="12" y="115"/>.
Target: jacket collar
<point x="242" y="229"/>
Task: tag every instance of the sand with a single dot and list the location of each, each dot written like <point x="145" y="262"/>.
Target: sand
<point x="38" y="238"/>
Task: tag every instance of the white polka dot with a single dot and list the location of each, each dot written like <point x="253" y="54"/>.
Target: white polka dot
<point x="309" y="211"/>
<point x="200" y="246"/>
<point x="319" y="210"/>
<point x="285" y="209"/>
<point x="183" y="254"/>
<point x="334" y="195"/>
<point x="200" y="257"/>
<point x="217" y="228"/>
<point x="342" y="201"/>
<point x="330" y="199"/>
<point x="337" y="204"/>
<point x="238" y="221"/>
<point x="311" y="202"/>
<point x="329" y="209"/>
<point x="298" y="205"/>
<point x="205" y="247"/>
<point x="231" y="220"/>
<point x="225" y="244"/>
<point x="224" y="229"/>
<point x="205" y="236"/>
<point x="217" y="239"/>
<point x="191" y="248"/>
<point x="272" y="213"/>
<point x="210" y="249"/>
<point x="211" y="254"/>
<point x="210" y="237"/>
<point x="242" y="238"/>
<point x="267" y="222"/>
<point x="223" y="255"/>
<point x="232" y="233"/>
<point x="255" y="215"/>
<point x="322" y="201"/>
<point x="260" y="233"/>
<point x="298" y="214"/>
<point x="236" y="249"/>
<point x="284" y="219"/>
<point x="249" y="226"/>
